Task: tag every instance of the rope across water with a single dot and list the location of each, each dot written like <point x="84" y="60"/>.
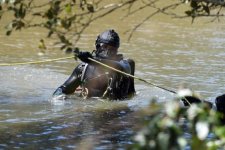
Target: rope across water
<point x="35" y="62"/>
<point x="93" y="60"/>
<point x="138" y="78"/>
<point x="135" y="77"/>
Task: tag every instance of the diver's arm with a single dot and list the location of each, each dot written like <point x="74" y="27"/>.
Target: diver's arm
<point x="70" y="85"/>
<point x="121" y="65"/>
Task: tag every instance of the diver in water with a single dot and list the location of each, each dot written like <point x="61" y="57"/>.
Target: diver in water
<point x="189" y="97"/>
<point x="220" y="106"/>
<point x="91" y="79"/>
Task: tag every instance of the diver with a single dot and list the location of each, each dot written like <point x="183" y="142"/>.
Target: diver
<point x="220" y="106"/>
<point x="90" y="79"/>
<point x="189" y="97"/>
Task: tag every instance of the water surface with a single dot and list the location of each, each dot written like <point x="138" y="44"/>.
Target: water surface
<point x="167" y="52"/>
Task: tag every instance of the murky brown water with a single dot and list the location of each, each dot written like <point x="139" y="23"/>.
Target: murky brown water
<point x="167" y="52"/>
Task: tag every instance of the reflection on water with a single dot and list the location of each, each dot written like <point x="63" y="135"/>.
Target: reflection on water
<point x="29" y="118"/>
<point x="103" y="130"/>
<point x="167" y="53"/>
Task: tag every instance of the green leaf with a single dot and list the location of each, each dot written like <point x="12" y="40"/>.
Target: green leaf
<point x="50" y="33"/>
<point x="22" y="11"/>
<point x="49" y="14"/>
<point x="90" y="8"/>
<point x="206" y="9"/>
<point x="37" y="14"/>
<point x="12" y="1"/>
<point x="194" y="4"/>
<point x="62" y="38"/>
<point x="63" y="47"/>
<point x="189" y="13"/>
<point x="68" y="8"/>
<point x="57" y="2"/>
<point x="66" y="23"/>
<point x="69" y="50"/>
<point x="76" y="50"/>
<point x="163" y="140"/>
<point x="8" y="33"/>
<point x="220" y="132"/>
<point x="198" y="144"/>
<point x="19" y="24"/>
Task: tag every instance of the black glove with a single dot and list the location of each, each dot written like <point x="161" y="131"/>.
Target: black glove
<point x="58" y="91"/>
<point x="83" y="56"/>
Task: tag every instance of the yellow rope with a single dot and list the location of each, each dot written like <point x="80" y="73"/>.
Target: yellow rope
<point x="135" y="77"/>
<point x="35" y="62"/>
<point x="63" y="58"/>
<point x="127" y="74"/>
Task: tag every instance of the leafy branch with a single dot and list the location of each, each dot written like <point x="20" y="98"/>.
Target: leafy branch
<point x="68" y="19"/>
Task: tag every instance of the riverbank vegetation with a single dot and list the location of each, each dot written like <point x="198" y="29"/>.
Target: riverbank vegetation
<point x="171" y="126"/>
<point x="67" y="20"/>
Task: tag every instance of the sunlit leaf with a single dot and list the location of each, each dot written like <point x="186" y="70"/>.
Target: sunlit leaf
<point x="214" y="145"/>
<point x="220" y="131"/>
<point x="163" y="139"/>
<point x="12" y="1"/>
<point x="2" y="1"/>
<point x="68" y="8"/>
<point x="41" y="44"/>
<point x="182" y="142"/>
<point x="193" y="111"/>
<point x="202" y="129"/>
<point x="172" y="108"/>
<point x="140" y="139"/>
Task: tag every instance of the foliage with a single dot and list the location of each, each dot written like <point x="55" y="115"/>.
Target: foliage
<point x="204" y="8"/>
<point x="196" y="127"/>
<point x="68" y="19"/>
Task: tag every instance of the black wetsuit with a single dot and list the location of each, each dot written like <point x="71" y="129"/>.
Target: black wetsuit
<point x="95" y="80"/>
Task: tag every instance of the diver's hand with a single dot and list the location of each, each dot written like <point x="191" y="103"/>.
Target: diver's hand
<point x="58" y="91"/>
<point x="83" y="56"/>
